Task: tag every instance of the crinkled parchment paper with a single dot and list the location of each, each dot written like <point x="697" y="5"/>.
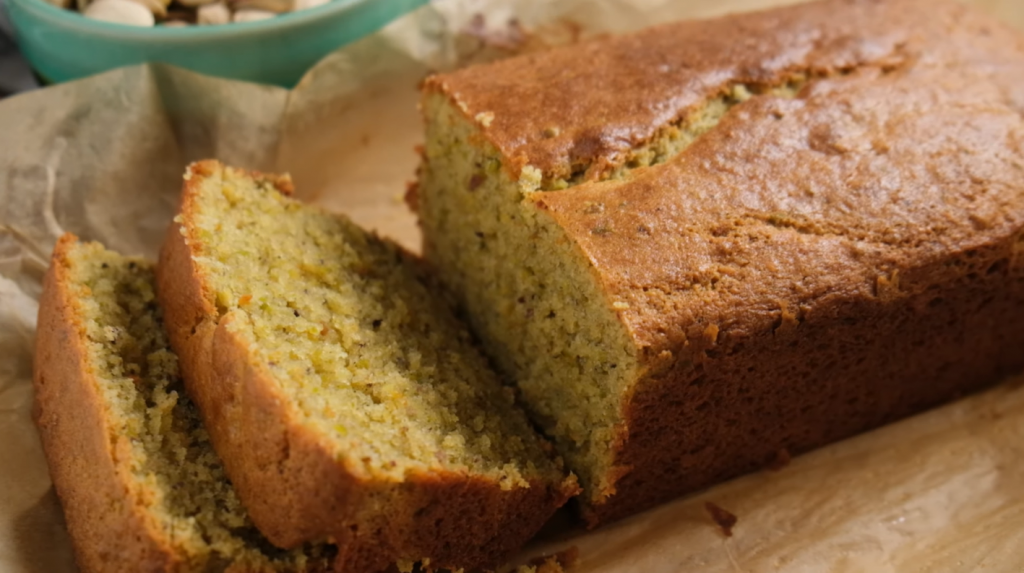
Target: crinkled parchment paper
<point x="103" y="157"/>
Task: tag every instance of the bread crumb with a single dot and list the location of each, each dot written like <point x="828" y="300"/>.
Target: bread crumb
<point x="412" y="196"/>
<point x="722" y="517"/>
<point x="887" y="288"/>
<point x="781" y="460"/>
<point x="740" y="93"/>
<point x="711" y="333"/>
<point x="485" y="118"/>
<point x="530" y="179"/>
<point x="555" y="563"/>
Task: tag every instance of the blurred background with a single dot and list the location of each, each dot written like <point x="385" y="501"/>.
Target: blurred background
<point x="15" y="74"/>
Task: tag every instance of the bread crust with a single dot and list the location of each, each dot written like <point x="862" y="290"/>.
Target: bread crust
<point x="578" y="110"/>
<point x="851" y="365"/>
<point x="88" y="458"/>
<point x="286" y="474"/>
<point x="810" y="267"/>
<point x="106" y="506"/>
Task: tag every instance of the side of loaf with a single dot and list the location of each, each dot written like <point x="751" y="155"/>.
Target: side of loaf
<point x="142" y="489"/>
<point x="346" y="400"/>
<point x="708" y="243"/>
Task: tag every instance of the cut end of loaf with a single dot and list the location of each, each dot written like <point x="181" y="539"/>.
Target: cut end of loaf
<point x="524" y="287"/>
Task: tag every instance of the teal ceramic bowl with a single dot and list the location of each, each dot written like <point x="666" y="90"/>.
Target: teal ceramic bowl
<point x="63" y="45"/>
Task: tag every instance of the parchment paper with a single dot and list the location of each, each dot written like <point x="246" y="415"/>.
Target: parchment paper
<point x="103" y="158"/>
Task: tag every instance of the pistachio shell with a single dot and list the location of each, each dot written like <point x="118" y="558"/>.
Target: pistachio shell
<point x="157" y="7"/>
<point x="252" y="15"/>
<point x="121" y="12"/>
<point x="195" y="3"/>
<point x="276" y="6"/>
<point x="175" y="24"/>
<point x="216" y="13"/>
<point x="306" y="4"/>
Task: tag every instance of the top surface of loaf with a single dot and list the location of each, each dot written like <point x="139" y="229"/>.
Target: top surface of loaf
<point x="580" y="108"/>
<point x="900" y="156"/>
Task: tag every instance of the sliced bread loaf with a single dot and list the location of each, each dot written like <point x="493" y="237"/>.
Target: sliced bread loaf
<point x="699" y="245"/>
<point x="346" y="400"/>
<point x="141" y="487"/>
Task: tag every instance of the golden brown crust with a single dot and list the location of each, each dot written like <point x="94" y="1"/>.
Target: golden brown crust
<point x="811" y="267"/>
<point x="583" y="107"/>
<point x="88" y="458"/>
<point x="293" y="487"/>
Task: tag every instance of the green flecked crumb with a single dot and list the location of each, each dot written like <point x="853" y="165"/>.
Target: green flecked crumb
<point x="170" y="453"/>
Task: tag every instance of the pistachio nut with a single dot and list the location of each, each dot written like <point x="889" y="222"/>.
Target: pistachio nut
<point x="121" y="12"/>
<point x="252" y="15"/>
<point x="306" y="4"/>
<point x="157" y="7"/>
<point x="216" y="13"/>
<point x="275" y="6"/>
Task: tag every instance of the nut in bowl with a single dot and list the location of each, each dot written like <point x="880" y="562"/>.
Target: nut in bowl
<point x="265" y="41"/>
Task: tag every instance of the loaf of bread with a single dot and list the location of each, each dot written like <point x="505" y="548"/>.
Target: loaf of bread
<point x="347" y="402"/>
<point x="142" y="489"/>
<point x="704" y="245"/>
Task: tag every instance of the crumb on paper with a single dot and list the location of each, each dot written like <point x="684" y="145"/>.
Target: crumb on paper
<point x="412" y="196"/>
<point x="482" y="41"/>
<point x="781" y="460"/>
<point x="511" y="37"/>
<point x="992" y="414"/>
<point x="555" y="563"/>
<point x="725" y="519"/>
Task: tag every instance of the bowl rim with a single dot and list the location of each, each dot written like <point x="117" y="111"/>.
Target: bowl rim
<point x="73" y="19"/>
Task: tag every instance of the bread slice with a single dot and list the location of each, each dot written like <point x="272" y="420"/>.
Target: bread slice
<point x="141" y="487"/>
<point x="346" y="400"/>
<point x="699" y="245"/>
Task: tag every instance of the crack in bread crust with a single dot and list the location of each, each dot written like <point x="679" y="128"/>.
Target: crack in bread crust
<point x="641" y="95"/>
